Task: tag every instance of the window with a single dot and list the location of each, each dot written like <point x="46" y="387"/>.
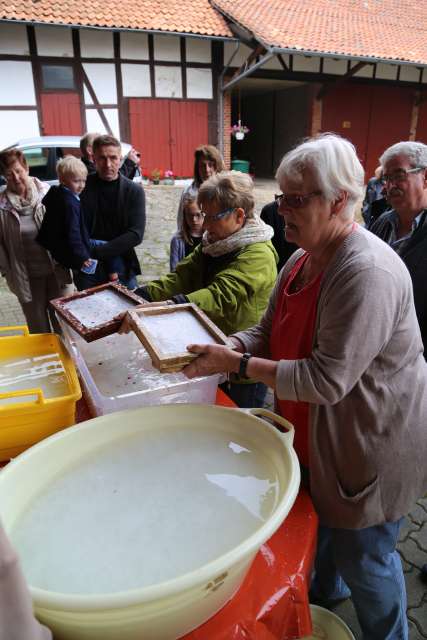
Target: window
<point x="37" y="160"/>
<point x="57" y="77"/>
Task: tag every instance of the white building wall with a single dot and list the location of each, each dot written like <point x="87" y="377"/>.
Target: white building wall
<point x="96" y="43"/>
<point x="16" y="125"/>
<point x="199" y="83"/>
<point x="167" y="48"/>
<point x="13" y="39"/>
<point x="409" y="73"/>
<point x="94" y="122"/>
<point x="134" y="45"/>
<point x="336" y="67"/>
<point x="103" y="80"/>
<point x="168" y="82"/>
<point x="309" y="64"/>
<point x="54" y="41"/>
<point x="20" y="87"/>
<point x="136" y="80"/>
<point x="198" y="50"/>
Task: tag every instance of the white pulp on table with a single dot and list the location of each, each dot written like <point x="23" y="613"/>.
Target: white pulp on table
<point x="45" y="372"/>
<point x="174" y="331"/>
<point x="98" y="308"/>
<point x="144" y="510"/>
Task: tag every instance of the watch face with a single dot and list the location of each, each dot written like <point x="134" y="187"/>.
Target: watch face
<point x="243" y="365"/>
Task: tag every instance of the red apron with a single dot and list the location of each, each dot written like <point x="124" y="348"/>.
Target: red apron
<point x="292" y="339"/>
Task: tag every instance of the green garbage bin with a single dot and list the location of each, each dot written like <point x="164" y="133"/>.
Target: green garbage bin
<point x="240" y="165"/>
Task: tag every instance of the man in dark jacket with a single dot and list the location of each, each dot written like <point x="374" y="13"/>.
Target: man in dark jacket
<point x="114" y="210"/>
<point x="404" y="228"/>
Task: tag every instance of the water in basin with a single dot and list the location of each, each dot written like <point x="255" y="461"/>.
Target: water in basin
<point x="144" y="510"/>
<point x="45" y="372"/>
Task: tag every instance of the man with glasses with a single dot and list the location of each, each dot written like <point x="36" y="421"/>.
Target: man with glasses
<point x="404" y="228"/>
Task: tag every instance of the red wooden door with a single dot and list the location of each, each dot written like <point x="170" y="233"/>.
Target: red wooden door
<point x="61" y="114"/>
<point x="149" y="132"/>
<point x="389" y="122"/>
<point x="166" y="132"/>
<point x="345" y="111"/>
<point x="372" y="117"/>
<point x="189" y="129"/>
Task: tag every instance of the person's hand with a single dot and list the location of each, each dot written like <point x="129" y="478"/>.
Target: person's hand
<point x="87" y="263"/>
<point x="135" y="156"/>
<point x="212" y="358"/>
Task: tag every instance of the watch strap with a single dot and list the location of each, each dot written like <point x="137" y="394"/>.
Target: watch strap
<point x="244" y="365"/>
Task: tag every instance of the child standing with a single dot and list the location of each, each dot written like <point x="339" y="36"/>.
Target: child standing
<point x="190" y="234"/>
<point x="63" y="231"/>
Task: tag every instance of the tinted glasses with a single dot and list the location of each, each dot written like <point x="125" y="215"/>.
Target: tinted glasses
<point x="295" y="201"/>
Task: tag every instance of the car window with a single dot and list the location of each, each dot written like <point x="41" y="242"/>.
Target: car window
<point x="61" y="152"/>
<point x="38" y="163"/>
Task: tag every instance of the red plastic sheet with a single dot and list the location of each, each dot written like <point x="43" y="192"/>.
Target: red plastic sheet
<point x="272" y="602"/>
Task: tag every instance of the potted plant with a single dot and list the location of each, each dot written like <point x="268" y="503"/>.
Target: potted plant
<point x="156" y="174"/>
<point x="169" y="177"/>
<point x="239" y="130"/>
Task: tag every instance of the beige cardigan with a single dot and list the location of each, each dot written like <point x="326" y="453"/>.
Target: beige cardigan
<point x="12" y="260"/>
<point x="366" y="382"/>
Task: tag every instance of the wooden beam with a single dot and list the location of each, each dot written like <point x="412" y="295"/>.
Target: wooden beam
<point x="95" y="100"/>
<point x="326" y="88"/>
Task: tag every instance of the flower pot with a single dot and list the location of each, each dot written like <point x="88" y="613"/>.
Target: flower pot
<point x="239" y="135"/>
<point x="155" y="181"/>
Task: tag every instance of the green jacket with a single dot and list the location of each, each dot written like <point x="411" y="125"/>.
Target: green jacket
<point x="233" y="290"/>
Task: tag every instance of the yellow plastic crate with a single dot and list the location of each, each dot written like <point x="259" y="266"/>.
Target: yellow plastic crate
<point x="28" y="416"/>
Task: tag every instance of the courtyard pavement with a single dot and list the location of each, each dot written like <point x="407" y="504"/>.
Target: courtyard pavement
<point x="162" y="204"/>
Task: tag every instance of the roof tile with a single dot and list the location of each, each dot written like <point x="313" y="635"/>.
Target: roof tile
<point x="384" y="29"/>
<point x="183" y="16"/>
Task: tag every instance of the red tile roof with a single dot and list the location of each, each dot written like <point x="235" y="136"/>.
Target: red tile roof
<point x="183" y="16"/>
<point x="385" y="29"/>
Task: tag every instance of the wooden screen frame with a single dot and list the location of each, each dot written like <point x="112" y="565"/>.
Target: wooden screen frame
<point x="104" y="328"/>
<point x="167" y="363"/>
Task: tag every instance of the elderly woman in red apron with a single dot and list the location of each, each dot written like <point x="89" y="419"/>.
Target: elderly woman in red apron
<point x="341" y="347"/>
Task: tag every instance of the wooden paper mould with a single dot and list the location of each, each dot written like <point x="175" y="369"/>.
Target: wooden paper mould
<point x="167" y="362"/>
<point x="102" y="329"/>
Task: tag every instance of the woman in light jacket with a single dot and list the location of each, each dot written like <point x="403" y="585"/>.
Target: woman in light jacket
<point x="29" y="271"/>
<point x="356" y="390"/>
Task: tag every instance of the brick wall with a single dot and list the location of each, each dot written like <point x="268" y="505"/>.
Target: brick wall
<point x="226" y="131"/>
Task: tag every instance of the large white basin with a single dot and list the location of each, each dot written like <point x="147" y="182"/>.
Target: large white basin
<point x="142" y="524"/>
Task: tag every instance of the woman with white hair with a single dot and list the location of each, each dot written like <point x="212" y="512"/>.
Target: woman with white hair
<point x="231" y="273"/>
<point x="355" y="390"/>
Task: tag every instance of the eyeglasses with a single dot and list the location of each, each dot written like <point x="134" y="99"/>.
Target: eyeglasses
<point x="295" y="201"/>
<point x="217" y="216"/>
<point x="401" y="175"/>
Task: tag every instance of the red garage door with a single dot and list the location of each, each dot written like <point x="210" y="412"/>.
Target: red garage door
<point x="167" y="132"/>
<point x="61" y="114"/>
<point x="372" y="117"/>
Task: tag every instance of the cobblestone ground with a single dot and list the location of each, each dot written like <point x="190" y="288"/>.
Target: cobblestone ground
<point x="162" y="204"/>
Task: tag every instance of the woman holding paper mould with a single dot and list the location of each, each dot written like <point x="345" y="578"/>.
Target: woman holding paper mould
<point x="231" y="273"/>
<point x="356" y="390"/>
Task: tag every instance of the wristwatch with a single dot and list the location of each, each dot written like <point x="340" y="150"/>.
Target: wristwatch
<point x="244" y="365"/>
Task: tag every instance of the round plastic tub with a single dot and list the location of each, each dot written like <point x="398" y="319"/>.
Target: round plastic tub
<point x="328" y="626"/>
<point x="170" y="608"/>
